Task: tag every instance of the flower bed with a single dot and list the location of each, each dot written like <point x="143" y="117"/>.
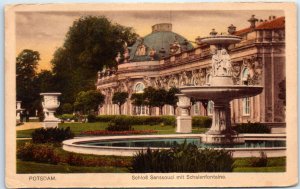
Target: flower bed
<point x="105" y="132"/>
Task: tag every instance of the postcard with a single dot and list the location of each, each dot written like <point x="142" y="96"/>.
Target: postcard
<point x="114" y="95"/>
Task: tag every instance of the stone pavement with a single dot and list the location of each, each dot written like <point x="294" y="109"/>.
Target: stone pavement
<point x="29" y="125"/>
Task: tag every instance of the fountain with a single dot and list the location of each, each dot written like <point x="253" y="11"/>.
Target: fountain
<point x="221" y="91"/>
<point x="50" y="104"/>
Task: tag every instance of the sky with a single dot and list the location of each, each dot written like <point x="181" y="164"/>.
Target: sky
<point x="45" y="31"/>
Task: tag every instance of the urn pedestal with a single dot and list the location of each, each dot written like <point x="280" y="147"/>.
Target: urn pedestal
<point x="184" y="121"/>
<point x="18" y="111"/>
<point x="50" y="104"/>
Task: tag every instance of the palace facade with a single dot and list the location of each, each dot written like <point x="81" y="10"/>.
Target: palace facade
<point x="164" y="59"/>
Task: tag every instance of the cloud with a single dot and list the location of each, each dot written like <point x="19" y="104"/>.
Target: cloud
<point x="45" y="31"/>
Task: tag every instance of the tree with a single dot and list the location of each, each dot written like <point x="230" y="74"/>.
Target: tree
<point x="155" y="98"/>
<point x="160" y="97"/>
<point x="91" y="43"/>
<point x="67" y="108"/>
<point x="120" y="98"/>
<point x="45" y="81"/>
<point x="27" y="89"/>
<point x="172" y="99"/>
<point x="137" y="99"/>
<point x="148" y="97"/>
<point x="89" y="100"/>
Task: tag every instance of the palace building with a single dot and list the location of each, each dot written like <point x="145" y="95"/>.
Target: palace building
<point x="165" y="59"/>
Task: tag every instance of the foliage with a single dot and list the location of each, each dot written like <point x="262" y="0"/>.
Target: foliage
<point x="49" y="153"/>
<point x="106" y="132"/>
<point x="27" y="87"/>
<point x="45" y="81"/>
<point x="120" y="123"/>
<point x="139" y="120"/>
<point x="66" y="117"/>
<point x="137" y="99"/>
<point x="91" y="44"/>
<point x="155" y="98"/>
<point x="252" y="128"/>
<point x="52" y="135"/>
<point x="201" y="121"/>
<point x="89" y="100"/>
<point x="119" y="98"/>
<point x="171" y="98"/>
<point x="40" y="153"/>
<point x="91" y="118"/>
<point x="182" y="158"/>
<point x="261" y="161"/>
<point x="67" y="108"/>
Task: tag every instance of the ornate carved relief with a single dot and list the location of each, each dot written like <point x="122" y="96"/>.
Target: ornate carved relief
<point x="255" y="66"/>
<point x="236" y="72"/>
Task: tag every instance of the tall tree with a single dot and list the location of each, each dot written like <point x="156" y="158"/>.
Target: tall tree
<point x="120" y="98"/>
<point x="91" y="43"/>
<point x="148" y="97"/>
<point x="89" y="100"/>
<point x="27" y="88"/>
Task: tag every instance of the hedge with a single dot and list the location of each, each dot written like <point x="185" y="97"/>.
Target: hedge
<point x="252" y="128"/>
<point x="197" y="121"/>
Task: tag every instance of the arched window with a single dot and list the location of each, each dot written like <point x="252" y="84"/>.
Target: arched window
<point x="245" y="76"/>
<point x="139" y="88"/>
<point x="140" y="110"/>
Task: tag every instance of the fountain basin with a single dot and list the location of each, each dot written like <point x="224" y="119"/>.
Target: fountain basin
<point x="229" y="92"/>
<point x="221" y="39"/>
<point x="272" y="144"/>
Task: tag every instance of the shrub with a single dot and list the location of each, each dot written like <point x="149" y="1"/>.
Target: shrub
<point x="44" y="153"/>
<point x="66" y="117"/>
<point x="182" y="158"/>
<point x="52" y="135"/>
<point x="139" y="120"/>
<point x="261" y="161"/>
<point x="252" y="128"/>
<point x="201" y="121"/>
<point x="91" y="118"/>
<point x="51" y="153"/>
<point x="120" y="123"/>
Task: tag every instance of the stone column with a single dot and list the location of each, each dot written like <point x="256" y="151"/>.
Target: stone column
<point x="184" y="121"/>
<point x="221" y="123"/>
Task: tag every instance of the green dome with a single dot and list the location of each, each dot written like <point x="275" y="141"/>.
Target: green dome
<point x="157" y="44"/>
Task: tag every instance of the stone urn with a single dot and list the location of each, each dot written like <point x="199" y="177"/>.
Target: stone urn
<point x="19" y="111"/>
<point x="184" y="121"/>
<point x="50" y="104"/>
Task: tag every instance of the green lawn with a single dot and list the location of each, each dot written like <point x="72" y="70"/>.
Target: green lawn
<point x="33" y="167"/>
<point x="77" y="128"/>
<point x="260" y="169"/>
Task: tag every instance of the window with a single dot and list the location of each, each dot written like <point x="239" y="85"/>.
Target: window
<point x="140" y="110"/>
<point x="246" y="106"/>
<point x="139" y="88"/>
<point x="245" y="76"/>
<point x="210" y="107"/>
